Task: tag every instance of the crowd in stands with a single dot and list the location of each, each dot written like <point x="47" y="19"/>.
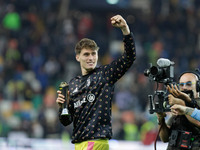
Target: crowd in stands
<point x="37" y="52"/>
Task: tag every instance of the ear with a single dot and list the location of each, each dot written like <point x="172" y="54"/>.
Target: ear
<point x="77" y="58"/>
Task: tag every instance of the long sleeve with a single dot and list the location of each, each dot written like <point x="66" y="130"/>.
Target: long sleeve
<point x="196" y="114"/>
<point x="120" y="66"/>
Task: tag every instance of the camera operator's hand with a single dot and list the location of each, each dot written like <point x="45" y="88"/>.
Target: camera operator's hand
<point x="161" y="117"/>
<point x="177" y="93"/>
<point x="173" y="100"/>
<point x="178" y="110"/>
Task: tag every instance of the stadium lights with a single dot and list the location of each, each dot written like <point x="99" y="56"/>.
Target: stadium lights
<point x="112" y="2"/>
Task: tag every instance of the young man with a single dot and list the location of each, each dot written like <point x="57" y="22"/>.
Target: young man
<point x="91" y="93"/>
<point x="182" y="131"/>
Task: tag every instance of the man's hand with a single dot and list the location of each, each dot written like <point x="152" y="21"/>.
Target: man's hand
<point x="161" y="115"/>
<point x="178" y="110"/>
<point x="119" y="22"/>
<point x="177" y="93"/>
<point x="60" y="99"/>
<point x="173" y="100"/>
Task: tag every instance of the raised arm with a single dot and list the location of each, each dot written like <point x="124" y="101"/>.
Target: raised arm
<point x="118" y="67"/>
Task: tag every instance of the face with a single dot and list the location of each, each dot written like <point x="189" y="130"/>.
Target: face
<point x="88" y="60"/>
<point x="188" y="82"/>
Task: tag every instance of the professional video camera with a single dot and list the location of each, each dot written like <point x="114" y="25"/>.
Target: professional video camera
<point x="162" y="73"/>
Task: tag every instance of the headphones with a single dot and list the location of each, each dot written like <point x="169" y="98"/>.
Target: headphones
<point x="197" y="73"/>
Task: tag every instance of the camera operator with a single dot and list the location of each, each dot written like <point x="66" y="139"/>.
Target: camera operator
<point x="182" y="131"/>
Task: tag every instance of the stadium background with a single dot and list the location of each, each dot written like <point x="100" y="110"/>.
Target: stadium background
<point x="37" y="40"/>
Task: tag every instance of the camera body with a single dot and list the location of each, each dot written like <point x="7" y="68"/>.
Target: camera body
<point x="159" y="102"/>
<point x="162" y="73"/>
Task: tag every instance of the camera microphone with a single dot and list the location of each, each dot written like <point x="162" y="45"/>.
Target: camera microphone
<point x="163" y="62"/>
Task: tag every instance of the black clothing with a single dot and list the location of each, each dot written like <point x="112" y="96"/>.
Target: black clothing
<point x="193" y="103"/>
<point x="181" y="124"/>
<point x="91" y="97"/>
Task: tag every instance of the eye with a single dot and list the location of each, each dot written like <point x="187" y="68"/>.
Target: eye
<point x="189" y="83"/>
<point x="94" y="53"/>
<point x="181" y="84"/>
<point x="86" y="54"/>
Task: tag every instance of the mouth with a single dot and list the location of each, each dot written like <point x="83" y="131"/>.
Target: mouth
<point x="90" y="63"/>
<point x="189" y="92"/>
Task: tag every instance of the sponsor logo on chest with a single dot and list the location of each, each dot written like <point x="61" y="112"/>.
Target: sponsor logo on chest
<point x="90" y="98"/>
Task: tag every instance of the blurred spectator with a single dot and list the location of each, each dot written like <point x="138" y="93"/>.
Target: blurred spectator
<point x="11" y="19"/>
<point x="85" y="25"/>
<point x="129" y="128"/>
<point x="148" y="131"/>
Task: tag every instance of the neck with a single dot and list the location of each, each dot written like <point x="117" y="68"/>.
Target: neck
<point x="85" y="72"/>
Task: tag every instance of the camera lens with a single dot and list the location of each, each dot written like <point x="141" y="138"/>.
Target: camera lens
<point x="154" y="70"/>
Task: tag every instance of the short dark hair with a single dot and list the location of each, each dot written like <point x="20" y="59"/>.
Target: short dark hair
<point x="86" y="43"/>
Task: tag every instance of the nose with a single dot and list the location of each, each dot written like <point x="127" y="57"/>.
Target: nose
<point x="90" y="57"/>
<point x="184" y="87"/>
